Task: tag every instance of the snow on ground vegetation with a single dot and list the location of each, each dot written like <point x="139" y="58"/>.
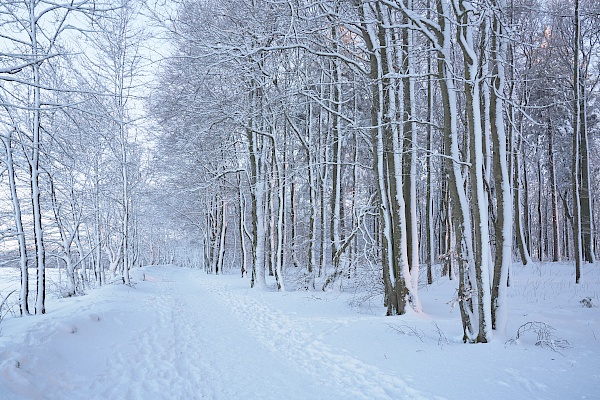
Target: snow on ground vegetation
<point x="182" y="334"/>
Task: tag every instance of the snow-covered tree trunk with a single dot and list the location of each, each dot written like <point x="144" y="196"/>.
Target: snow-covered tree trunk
<point x="324" y="174"/>
<point x="294" y="233"/>
<point x="242" y="225"/>
<point x="313" y="202"/>
<point x="409" y="152"/>
<point x="481" y="269"/>
<point x="336" y="158"/>
<point x="376" y="32"/>
<point x="98" y="267"/>
<point x="66" y="242"/>
<point x="82" y="257"/>
<point x="520" y="212"/>
<point x="515" y="129"/>
<point x="125" y="201"/>
<point x="586" y="195"/>
<point x="34" y="163"/>
<point x="463" y="245"/>
<point x="307" y="140"/>
<point x="257" y="153"/>
<point x="576" y="160"/>
<point x="556" y="244"/>
<point x="278" y="250"/>
<point x="429" y="208"/>
<point x="504" y="222"/>
<point x="222" y="236"/>
<point x="339" y="257"/>
<point x="18" y="218"/>
<point x="258" y="221"/>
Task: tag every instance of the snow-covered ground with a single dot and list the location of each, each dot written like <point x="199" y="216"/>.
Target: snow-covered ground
<point x="181" y="334"/>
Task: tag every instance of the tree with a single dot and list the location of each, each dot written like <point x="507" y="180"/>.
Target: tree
<point x="7" y="141"/>
<point x="504" y="217"/>
<point x="32" y="32"/>
<point x="118" y="65"/>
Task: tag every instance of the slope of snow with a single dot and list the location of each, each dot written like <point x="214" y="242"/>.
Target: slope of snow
<point x="182" y="334"/>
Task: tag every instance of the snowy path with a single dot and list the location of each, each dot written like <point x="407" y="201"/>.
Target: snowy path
<point x="329" y="370"/>
<point x="181" y="334"/>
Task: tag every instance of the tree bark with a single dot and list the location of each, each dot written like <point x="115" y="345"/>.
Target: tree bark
<point x="575" y="169"/>
<point x="556" y="245"/>
<point x="24" y="292"/>
<point x="504" y="223"/>
<point x="481" y="268"/>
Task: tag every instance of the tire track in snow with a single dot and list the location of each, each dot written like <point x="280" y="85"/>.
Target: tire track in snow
<point x="349" y="376"/>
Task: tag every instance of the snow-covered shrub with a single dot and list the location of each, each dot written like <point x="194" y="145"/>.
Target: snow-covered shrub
<point x="8" y="306"/>
<point x="544" y="336"/>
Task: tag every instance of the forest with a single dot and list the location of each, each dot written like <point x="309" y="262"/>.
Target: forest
<point x="360" y="145"/>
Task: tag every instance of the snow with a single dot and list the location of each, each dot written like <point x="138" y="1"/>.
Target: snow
<point x="182" y="334"/>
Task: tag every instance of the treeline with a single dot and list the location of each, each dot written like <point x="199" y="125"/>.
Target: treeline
<point x="72" y="165"/>
<point x="323" y="143"/>
<point x="335" y="140"/>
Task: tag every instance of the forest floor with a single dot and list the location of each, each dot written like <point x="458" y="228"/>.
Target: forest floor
<point x="182" y="334"/>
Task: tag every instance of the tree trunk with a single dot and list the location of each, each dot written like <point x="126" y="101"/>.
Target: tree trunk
<point x="575" y="170"/>
<point x="480" y="216"/>
<point x="242" y="226"/>
<point x="279" y="226"/>
<point x="313" y="203"/>
<point x="520" y="226"/>
<point x="222" y="236"/>
<point x="460" y="210"/>
<point x="387" y="156"/>
<point x="556" y="245"/>
<point x="540" y="214"/>
<point x="430" y="250"/>
<point x="410" y="159"/>
<point x="257" y="149"/>
<point x="34" y="164"/>
<point x="587" y="215"/>
<point x="504" y="223"/>
<point x="24" y="292"/>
